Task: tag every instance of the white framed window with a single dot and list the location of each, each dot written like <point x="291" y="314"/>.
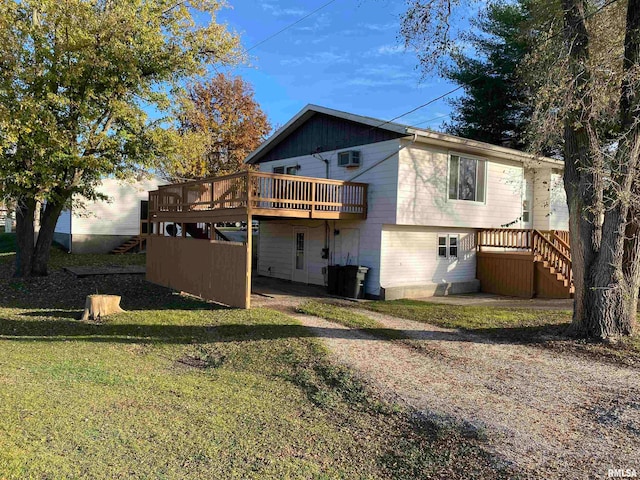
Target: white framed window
<point x="467" y="178"/>
<point x="448" y="246"/>
<point x="526" y="211"/>
<point x="290" y="170"/>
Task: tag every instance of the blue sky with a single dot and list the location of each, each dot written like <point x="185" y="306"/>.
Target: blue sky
<point x="348" y="56"/>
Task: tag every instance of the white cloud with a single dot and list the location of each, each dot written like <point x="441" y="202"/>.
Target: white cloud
<point x="317" y="58"/>
<point x="279" y="11"/>
<point x="378" y="27"/>
<point x="390" y="49"/>
<point x="387" y="50"/>
<point x="321" y="22"/>
<point x="386" y="70"/>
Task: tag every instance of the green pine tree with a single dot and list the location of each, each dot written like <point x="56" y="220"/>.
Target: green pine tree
<point x="496" y="107"/>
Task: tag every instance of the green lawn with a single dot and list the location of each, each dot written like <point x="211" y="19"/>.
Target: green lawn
<point x="471" y="318"/>
<point x="177" y="388"/>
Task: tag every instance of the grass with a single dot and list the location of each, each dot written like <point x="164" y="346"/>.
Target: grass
<point x="177" y="388"/>
<point x="7" y="246"/>
<point x="470" y="317"/>
<point x="60" y="258"/>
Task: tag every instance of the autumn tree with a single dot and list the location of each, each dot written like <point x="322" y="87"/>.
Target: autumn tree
<point x="78" y="77"/>
<point x="585" y="69"/>
<point x="220" y="123"/>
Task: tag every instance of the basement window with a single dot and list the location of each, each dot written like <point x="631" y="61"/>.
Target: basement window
<point x="448" y="246"/>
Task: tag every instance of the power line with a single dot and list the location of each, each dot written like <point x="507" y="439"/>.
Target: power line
<point x="438" y="117"/>
<point x="289" y="26"/>
<point x="598" y="10"/>
<point x="424" y="104"/>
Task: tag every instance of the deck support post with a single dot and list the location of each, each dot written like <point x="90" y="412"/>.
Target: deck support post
<point x="249" y="257"/>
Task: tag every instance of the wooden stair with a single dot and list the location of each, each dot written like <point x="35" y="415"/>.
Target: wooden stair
<point x="132" y="243"/>
<point x="506" y="268"/>
<point x="550" y="282"/>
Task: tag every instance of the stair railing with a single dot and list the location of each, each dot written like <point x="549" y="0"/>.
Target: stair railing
<point x="555" y="256"/>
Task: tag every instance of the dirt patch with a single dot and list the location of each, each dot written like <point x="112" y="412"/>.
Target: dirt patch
<point x="202" y="358"/>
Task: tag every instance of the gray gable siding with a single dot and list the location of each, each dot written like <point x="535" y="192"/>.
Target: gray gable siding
<point x="322" y="133"/>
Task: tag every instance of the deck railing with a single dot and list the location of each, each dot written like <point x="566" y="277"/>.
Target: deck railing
<point x="548" y="245"/>
<point x="259" y="191"/>
<point x="505" y="238"/>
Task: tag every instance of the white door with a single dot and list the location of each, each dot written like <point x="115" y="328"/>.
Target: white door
<point x="300" y="247"/>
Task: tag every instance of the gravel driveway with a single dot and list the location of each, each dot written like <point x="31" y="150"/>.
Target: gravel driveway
<point x="553" y="414"/>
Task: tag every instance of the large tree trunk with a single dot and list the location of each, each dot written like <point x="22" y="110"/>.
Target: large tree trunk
<point x="45" y="238"/>
<point x="604" y="234"/>
<point x="33" y="257"/>
<point x="25" y="209"/>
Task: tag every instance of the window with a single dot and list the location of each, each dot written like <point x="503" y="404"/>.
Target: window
<point x="300" y="251"/>
<point x="467" y="178"/>
<point x="453" y="246"/>
<point x="292" y="170"/>
<point x="442" y="246"/>
<point x="526" y="211"/>
<point x="448" y="246"/>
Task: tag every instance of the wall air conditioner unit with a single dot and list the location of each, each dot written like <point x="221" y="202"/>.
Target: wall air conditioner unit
<point x="350" y="158"/>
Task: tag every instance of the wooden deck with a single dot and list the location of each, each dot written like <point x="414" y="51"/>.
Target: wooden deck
<point x="525" y="263"/>
<point x="256" y="194"/>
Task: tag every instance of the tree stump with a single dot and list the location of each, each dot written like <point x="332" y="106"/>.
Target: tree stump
<point x="98" y="306"/>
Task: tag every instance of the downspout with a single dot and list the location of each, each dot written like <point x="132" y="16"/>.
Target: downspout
<point x="326" y="248"/>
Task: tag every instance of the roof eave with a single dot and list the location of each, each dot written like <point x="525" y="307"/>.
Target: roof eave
<point x="475" y="146"/>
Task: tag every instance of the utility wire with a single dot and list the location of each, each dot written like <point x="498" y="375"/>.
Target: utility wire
<point x="289" y="26"/>
<point x="446" y="94"/>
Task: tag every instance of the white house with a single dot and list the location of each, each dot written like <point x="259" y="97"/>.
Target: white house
<point x="428" y="195"/>
<point x="100" y="226"/>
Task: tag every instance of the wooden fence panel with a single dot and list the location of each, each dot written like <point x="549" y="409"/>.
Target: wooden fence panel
<point x="209" y="269"/>
<point x="506" y="273"/>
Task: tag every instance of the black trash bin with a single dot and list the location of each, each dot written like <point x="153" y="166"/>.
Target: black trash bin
<point x="333" y="275"/>
<point x="354" y="277"/>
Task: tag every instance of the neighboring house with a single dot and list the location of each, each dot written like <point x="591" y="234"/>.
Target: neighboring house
<point x="428" y="213"/>
<point x="100" y="226"/>
<point x="428" y="195"/>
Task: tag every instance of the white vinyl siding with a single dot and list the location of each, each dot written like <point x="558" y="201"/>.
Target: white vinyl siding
<point x="275" y="254"/>
<point x="558" y="210"/>
<point x="423" y="192"/>
<point x="119" y="215"/>
<point x="64" y="223"/>
<point x="276" y="249"/>
<point x="410" y="256"/>
<point x="550" y="210"/>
